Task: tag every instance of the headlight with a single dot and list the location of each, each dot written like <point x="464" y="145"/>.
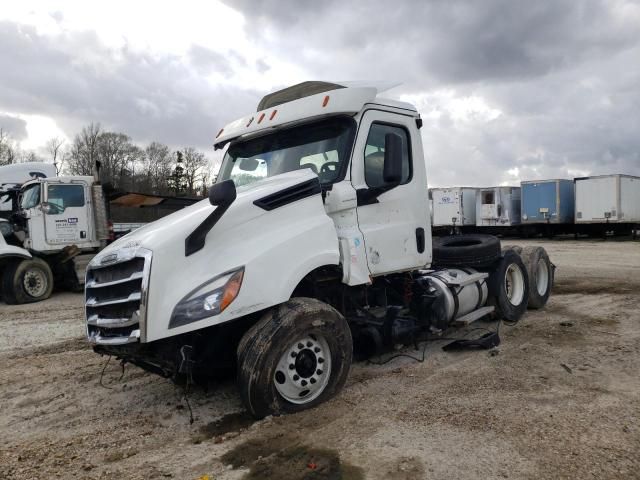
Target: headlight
<point x="5" y="229"/>
<point x="209" y="299"/>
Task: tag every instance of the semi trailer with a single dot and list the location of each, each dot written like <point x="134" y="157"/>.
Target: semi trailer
<point x="325" y="247"/>
<point x="454" y="208"/>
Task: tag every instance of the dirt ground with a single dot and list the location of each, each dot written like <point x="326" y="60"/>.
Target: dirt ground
<point x="560" y="399"/>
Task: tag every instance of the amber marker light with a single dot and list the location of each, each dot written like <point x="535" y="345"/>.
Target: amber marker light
<point x="231" y="289"/>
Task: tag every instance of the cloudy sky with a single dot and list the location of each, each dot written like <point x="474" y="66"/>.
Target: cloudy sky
<point x="509" y="90"/>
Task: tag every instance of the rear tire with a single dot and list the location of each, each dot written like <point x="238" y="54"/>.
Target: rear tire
<point x="540" y="272"/>
<point x="27" y="281"/>
<point x="509" y="287"/>
<point x="467" y="250"/>
<point x="296" y="357"/>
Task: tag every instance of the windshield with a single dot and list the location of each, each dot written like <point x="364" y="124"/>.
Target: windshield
<point x="323" y="147"/>
<point x="30" y="196"/>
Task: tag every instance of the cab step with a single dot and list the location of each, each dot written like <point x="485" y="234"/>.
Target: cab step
<point x="473" y="316"/>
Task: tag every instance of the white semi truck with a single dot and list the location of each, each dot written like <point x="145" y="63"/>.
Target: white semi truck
<point x="55" y="227"/>
<point x="326" y="245"/>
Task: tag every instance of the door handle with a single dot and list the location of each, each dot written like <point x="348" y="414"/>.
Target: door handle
<point x="420" y="239"/>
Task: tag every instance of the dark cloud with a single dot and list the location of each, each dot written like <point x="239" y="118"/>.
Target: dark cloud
<point x="207" y="61"/>
<point x="75" y="79"/>
<point x="15" y="127"/>
<point x="564" y="75"/>
<point x="546" y="89"/>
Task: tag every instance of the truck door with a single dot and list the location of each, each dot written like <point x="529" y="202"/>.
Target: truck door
<point x="66" y="218"/>
<point x="395" y="224"/>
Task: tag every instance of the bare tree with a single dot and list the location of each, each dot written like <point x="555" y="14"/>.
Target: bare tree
<point x="194" y="162"/>
<point x="84" y="151"/>
<point x="54" y="145"/>
<point x="7" y="148"/>
<point x="157" y="168"/>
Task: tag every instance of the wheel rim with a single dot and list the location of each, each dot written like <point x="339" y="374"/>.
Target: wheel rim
<point x="35" y="282"/>
<point x="304" y="370"/>
<point x="514" y="283"/>
<point x="542" y="278"/>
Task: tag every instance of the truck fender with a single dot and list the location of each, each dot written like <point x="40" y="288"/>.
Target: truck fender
<point x="304" y="269"/>
<point x="9" y="251"/>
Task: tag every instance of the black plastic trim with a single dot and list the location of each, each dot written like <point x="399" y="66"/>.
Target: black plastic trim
<point x="195" y="240"/>
<point x="289" y="195"/>
<point x="420" y="239"/>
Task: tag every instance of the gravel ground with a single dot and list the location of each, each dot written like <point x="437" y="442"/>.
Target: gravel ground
<point x="561" y="399"/>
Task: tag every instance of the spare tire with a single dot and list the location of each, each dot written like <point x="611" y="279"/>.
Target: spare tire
<point x="541" y="272"/>
<point x="467" y="250"/>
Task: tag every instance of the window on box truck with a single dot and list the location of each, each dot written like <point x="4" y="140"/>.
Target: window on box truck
<point x="323" y="147"/>
<point x="30" y="196"/>
<point x="374" y="154"/>
<point x="487" y="198"/>
<point x="64" y="196"/>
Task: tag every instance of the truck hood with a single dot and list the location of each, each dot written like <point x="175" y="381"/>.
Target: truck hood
<point x="177" y="226"/>
<point x="275" y="241"/>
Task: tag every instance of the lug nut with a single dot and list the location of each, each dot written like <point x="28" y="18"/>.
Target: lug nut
<point x="303" y="383"/>
<point x="300" y="346"/>
<point x="312" y="380"/>
<point x="294" y="354"/>
<point x="320" y="360"/>
<point x="309" y="344"/>
<point x="292" y="366"/>
<point x="317" y="349"/>
<point x="296" y="378"/>
<point x="319" y="372"/>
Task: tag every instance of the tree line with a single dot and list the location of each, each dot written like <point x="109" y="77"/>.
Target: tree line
<point x="153" y="169"/>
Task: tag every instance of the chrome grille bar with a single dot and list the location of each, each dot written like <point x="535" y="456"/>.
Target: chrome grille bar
<point x="115" y="299"/>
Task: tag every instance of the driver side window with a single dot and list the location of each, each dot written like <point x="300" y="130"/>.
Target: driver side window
<point x="64" y="196"/>
<point x="374" y="154"/>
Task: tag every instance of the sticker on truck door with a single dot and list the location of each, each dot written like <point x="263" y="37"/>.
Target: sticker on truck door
<point x="66" y="229"/>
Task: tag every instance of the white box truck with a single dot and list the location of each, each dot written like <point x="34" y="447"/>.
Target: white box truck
<point x="327" y="243"/>
<point x="454" y="207"/>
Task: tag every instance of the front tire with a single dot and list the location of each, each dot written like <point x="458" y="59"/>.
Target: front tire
<point x="296" y="357"/>
<point x="27" y="281"/>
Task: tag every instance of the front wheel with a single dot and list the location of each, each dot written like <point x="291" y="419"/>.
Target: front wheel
<point x="296" y="357"/>
<point x="26" y="281"/>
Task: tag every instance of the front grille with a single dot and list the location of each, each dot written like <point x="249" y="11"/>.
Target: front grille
<point x="114" y="300"/>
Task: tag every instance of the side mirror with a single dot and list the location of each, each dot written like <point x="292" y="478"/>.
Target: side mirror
<point x="392" y="170"/>
<point x="223" y="193"/>
<point x="49" y="208"/>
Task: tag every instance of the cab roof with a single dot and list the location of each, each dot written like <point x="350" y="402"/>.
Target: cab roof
<point x="307" y="100"/>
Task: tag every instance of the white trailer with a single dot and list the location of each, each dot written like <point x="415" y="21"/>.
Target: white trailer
<point x="608" y="199"/>
<point x="455" y="207"/>
<point x="498" y="207"/>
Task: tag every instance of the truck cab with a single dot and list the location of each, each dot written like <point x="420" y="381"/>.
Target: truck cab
<point x="58" y="225"/>
<point x="315" y="235"/>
